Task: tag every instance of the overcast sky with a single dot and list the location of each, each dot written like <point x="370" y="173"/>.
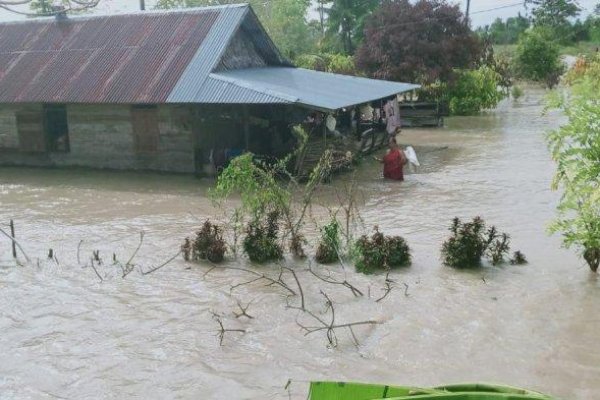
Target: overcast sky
<point x="483" y="12"/>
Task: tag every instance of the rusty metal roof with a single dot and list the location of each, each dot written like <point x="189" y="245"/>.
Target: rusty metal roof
<point x="130" y="58"/>
<point x="162" y="57"/>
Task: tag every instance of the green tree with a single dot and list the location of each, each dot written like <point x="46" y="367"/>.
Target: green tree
<point x="46" y="7"/>
<point x="328" y="62"/>
<point x="576" y="149"/>
<point x="553" y="13"/>
<point x="538" y="57"/>
<point x="289" y="29"/>
<point x="475" y="90"/>
<point x="346" y="20"/>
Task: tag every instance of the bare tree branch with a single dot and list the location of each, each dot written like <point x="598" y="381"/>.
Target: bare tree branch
<point x="15" y="242"/>
<point x="222" y="330"/>
<point x="355" y="291"/>
<point x="161" y="265"/>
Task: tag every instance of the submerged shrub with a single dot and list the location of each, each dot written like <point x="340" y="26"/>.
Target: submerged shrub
<point x="207" y="245"/>
<point x="380" y="252"/>
<point x="261" y="243"/>
<point x="327" y="251"/>
<point x="517" y="92"/>
<point x="518" y="258"/>
<point x="470" y="241"/>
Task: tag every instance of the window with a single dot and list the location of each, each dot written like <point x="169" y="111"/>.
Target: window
<point x="145" y="128"/>
<point x="56" y="128"/>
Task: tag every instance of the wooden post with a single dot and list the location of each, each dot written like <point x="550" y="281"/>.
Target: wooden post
<point x="142" y="5"/>
<point x="12" y="233"/>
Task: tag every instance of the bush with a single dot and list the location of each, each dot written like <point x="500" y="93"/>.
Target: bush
<point x="328" y="62"/>
<point x="516" y="92"/>
<point x="518" y="258"/>
<point x="575" y="148"/>
<point x="379" y="252"/>
<point x="329" y="245"/>
<point x="538" y="58"/>
<point x="470" y="241"/>
<point x="207" y="245"/>
<point x="475" y="90"/>
<point x="261" y="243"/>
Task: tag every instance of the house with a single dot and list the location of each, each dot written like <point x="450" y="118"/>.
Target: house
<point x="158" y="90"/>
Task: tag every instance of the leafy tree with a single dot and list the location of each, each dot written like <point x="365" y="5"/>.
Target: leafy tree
<point x="421" y="42"/>
<point x="346" y="19"/>
<point x="506" y="32"/>
<point x="288" y="27"/>
<point x="328" y="62"/>
<point x="46" y="7"/>
<point x="576" y="149"/>
<point x="553" y="13"/>
<point x="475" y="90"/>
<point x="538" y="57"/>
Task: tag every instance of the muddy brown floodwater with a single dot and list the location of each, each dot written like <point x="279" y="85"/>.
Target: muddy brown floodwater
<point x="63" y="334"/>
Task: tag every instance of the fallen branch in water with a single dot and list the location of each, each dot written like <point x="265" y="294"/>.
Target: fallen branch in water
<point x="302" y="303"/>
<point x="243" y="310"/>
<point x="129" y="267"/>
<point x="162" y="265"/>
<point x="222" y="330"/>
<point x="271" y="281"/>
<point x="355" y="291"/>
<point x="389" y="286"/>
<point x="331" y="327"/>
<point x="16" y="243"/>
<point x="95" y="270"/>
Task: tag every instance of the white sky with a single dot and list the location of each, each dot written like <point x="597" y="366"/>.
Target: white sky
<point x="481" y="10"/>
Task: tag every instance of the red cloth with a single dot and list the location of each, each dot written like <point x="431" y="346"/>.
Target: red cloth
<point x="393" y="162"/>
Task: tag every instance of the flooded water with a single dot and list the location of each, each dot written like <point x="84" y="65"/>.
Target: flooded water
<point x="65" y="334"/>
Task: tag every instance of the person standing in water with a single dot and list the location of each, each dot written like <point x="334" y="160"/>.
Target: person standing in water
<point x="393" y="162"/>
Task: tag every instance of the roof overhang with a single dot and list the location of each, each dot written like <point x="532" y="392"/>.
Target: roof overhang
<point x="286" y="85"/>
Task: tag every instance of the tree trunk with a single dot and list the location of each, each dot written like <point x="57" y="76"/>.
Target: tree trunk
<point x="592" y="257"/>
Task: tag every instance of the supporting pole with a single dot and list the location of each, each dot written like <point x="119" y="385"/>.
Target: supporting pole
<point x="142" y="5"/>
<point x="12" y="233"/>
<point x="468" y="11"/>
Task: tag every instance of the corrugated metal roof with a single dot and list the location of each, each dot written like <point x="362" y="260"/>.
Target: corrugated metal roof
<point x="306" y="87"/>
<point x="163" y="57"/>
<point x="131" y="58"/>
<point x="222" y="91"/>
<point x="208" y="54"/>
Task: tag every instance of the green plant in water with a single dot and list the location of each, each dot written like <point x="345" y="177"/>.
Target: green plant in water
<point x="261" y="243"/>
<point x="207" y="245"/>
<point x="498" y="248"/>
<point x="516" y="92"/>
<point x="329" y="245"/>
<point x="518" y="258"/>
<point x="380" y="252"/>
<point x="470" y="241"/>
<point x="576" y="149"/>
<point x="270" y="188"/>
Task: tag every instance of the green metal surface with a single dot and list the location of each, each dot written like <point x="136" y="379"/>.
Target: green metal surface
<point x="361" y="391"/>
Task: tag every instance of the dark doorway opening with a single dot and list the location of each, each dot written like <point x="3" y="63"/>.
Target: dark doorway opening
<point x="56" y="127"/>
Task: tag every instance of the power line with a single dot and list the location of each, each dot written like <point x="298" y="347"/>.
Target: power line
<point x="400" y="24"/>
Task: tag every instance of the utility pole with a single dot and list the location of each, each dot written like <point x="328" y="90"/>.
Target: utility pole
<point x="142" y="5"/>
<point x="468" y="9"/>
